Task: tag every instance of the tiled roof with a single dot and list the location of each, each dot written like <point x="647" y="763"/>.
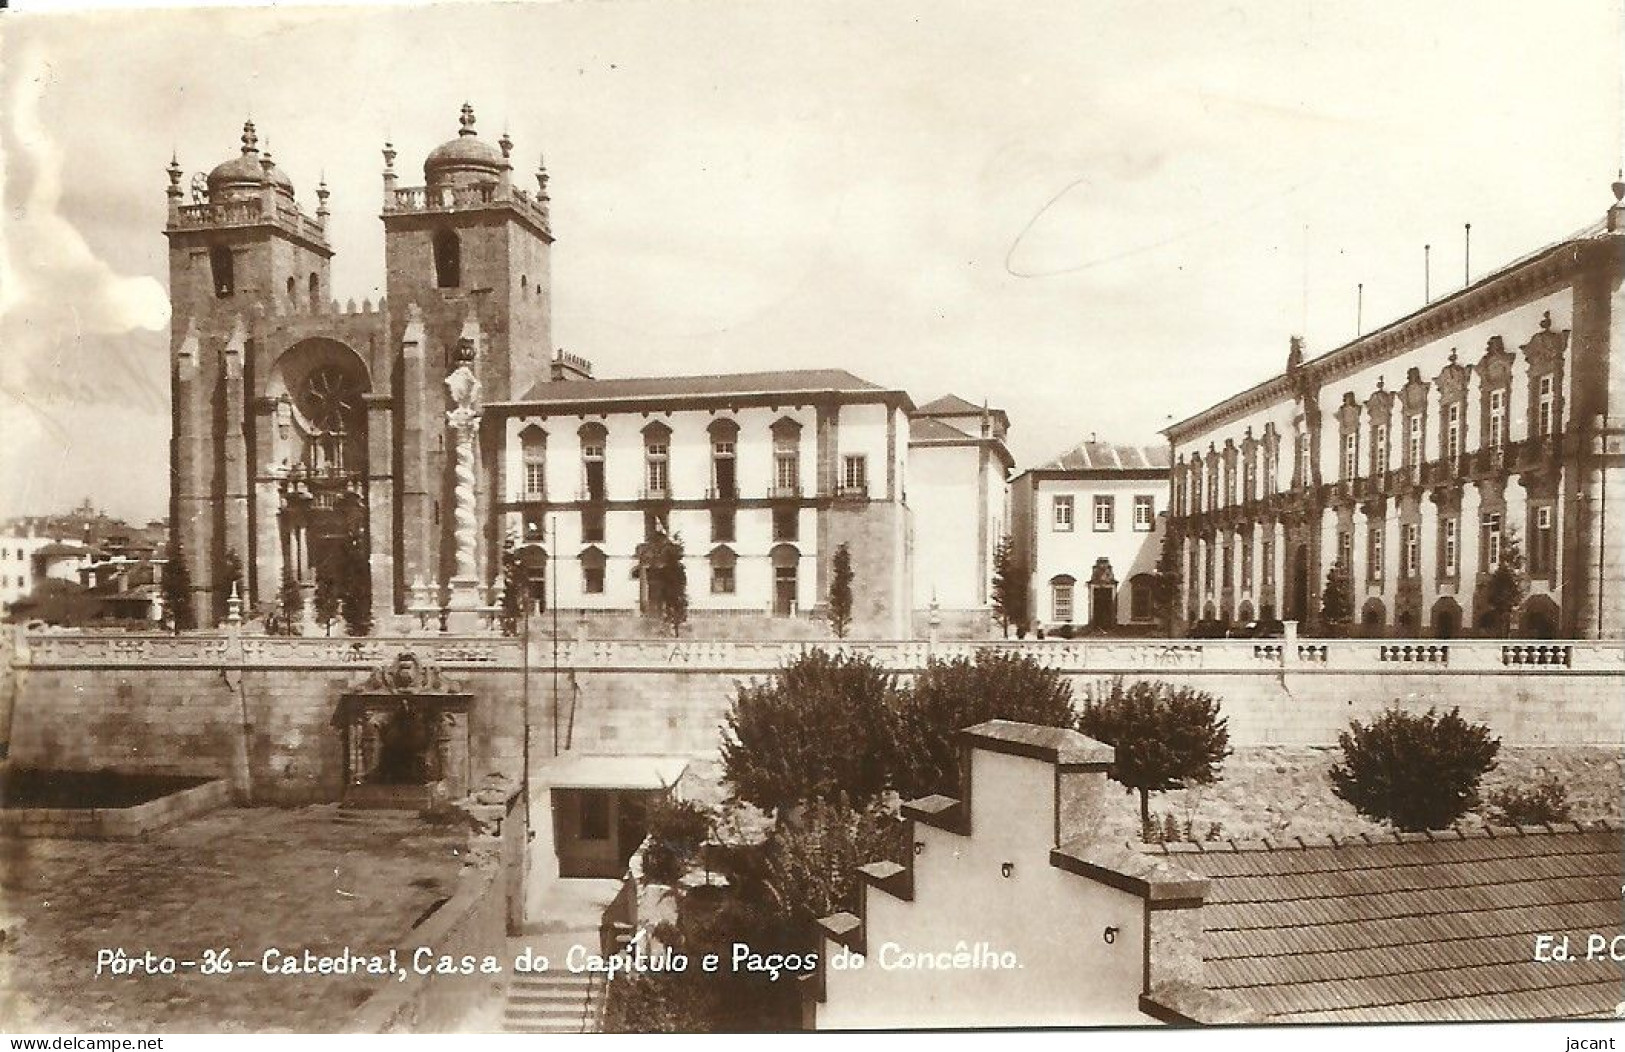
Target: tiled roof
<point x="948" y="405"/>
<point x="1420" y="927"/>
<point x="790" y="381"/>
<point x="930" y="429"/>
<point x="59" y="549"/>
<point x="1106" y="456"/>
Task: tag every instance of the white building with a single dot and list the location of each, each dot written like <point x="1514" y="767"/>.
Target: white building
<point x="761" y="475"/>
<point x="959" y="466"/>
<point x="17" y="564"/>
<point x="1088" y="531"/>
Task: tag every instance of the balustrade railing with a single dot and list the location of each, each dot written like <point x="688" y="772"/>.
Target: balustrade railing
<point x="1102" y="656"/>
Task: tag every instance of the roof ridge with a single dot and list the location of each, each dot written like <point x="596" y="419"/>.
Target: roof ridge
<point x="1384" y="838"/>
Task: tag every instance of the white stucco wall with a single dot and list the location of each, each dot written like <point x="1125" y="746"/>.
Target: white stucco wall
<point x="1073" y="553"/>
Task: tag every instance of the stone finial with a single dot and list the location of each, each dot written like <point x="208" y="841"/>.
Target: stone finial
<point x="251" y="141"/>
<point x="541" y="177"/>
<point x="1452" y="356"/>
<point x="506" y="145"/>
<point x="389" y="156"/>
<point x="467" y="120"/>
<point x="322" y="195"/>
<point x="1546" y="317"/>
<point x="234" y="606"/>
<point x="1616" y="212"/>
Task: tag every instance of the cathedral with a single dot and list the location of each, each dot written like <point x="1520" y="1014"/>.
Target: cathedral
<point x="306" y="434"/>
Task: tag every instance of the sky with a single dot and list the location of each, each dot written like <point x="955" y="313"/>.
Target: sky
<point x="1100" y="217"/>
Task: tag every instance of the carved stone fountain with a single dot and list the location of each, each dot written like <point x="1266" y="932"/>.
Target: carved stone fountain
<point x="405" y="738"/>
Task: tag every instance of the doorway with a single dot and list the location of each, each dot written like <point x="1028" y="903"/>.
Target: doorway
<point x="1102" y="606"/>
<point x="596" y="830"/>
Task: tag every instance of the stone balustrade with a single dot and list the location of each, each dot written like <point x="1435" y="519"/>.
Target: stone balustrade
<point x="205" y="650"/>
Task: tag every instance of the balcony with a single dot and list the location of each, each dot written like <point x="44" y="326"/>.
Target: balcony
<point x="656" y="493"/>
<point x="725" y="494"/>
<point x="248" y="212"/>
<point x="779" y="492"/>
<point x="859" y="491"/>
<point x="454" y="198"/>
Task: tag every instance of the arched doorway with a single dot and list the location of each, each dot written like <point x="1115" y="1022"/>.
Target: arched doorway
<point x="1540" y="618"/>
<point x="786" y="563"/>
<point x="1373" y="617"/>
<point x="1446" y="618"/>
<point x="530" y="570"/>
<point x="1102" y="595"/>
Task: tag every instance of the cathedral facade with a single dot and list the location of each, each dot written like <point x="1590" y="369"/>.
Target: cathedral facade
<point x="311" y="439"/>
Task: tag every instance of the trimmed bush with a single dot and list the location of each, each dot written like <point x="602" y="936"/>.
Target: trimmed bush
<point x="1540" y="804"/>
<point x="1416" y="771"/>
<point x="1166" y="736"/>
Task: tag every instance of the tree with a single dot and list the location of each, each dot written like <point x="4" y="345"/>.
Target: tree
<point x="660" y="561"/>
<point x="1337" y="599"/>
<point x="176" y="586"/>
<point x="327" y="600"/>
<point x="840" y="591"/>
<point x="822" y="725"/>
<point x="949" y="696"/>
<point x="513" y="588"/>
<point x="1168" y="584"/>
<point x="677" y="831"/>
<point x="1009" y="586"/>
<point x="1416" y="771"/>
<point x="290" y="613"/>
<point x="1508" y="584"/>
<point x="1166" y="736"/>
<point x="355" y="601"/>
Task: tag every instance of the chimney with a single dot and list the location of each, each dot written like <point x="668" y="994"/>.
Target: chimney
<point x="568" y="366"/>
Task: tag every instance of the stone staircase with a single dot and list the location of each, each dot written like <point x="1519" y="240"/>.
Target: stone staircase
<point x="553" y="1002"/>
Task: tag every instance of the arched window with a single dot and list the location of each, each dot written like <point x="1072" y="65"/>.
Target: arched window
<point x="315" y="285"/>
<point x="448" y="260"/>
<point x="592" y="570"/>
<point x="786" y="458"/>
<point x="293" y="290"/>
<point x="724" y="449"/>
<point x="1061" y="598"/>
<point x="533" y="446"/>
<point x="657" y="462"/>
<point x="594" y="438"/>
<point x="222" y="269"/>
<point x="723" y="562"/>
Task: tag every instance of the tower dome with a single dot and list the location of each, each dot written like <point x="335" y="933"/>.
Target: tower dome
<point x="245" y="174"/>
<point x="465" y="160"/>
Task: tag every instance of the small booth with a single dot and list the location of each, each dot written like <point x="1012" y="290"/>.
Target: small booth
<point x="600" y="807"/>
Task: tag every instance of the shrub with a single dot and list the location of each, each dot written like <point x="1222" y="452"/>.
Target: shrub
<point x="1166" y="736"/>
<point x="677" y="829"/>
<point x="1538" y="805"/>
<point x="823" y="725"/>
<point x="1416" y="771"/>
<point x="810" y="862"/>
<point x="840" y="592"/>
<point x="951" y="695"/>
<point x="659" y="1003"/>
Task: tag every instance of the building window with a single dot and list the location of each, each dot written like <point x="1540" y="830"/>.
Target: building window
<point x="1061" y="600"/>
<point x="1105" y="513"/>
<point x="722" y="525"/>
<point x="1492" y="542"/>
<point x="786" y="524"/>
<point x="1228" y="571"/>
<point x="1351" y="456"/>
<point x="593" y="441"/>
<point x="592" y="525"/>
<point x="655" y="524"/>
<point x="223" y="269"/>
<point x="1305" y="476"/>
<point x="1249" y="478"/>
<point x="786" y="459"/>
<point x="1145" y="513"/>
<point x="1266" y="555"/>
<point x="1247" y="562"/>
<point x="593" y="821"/>
<point x="656" y="460"/>
<point x="1271" y="468"/>
<point x="1196" y="489"/>
<point x="724" y="471"/>
<point x="592" y="572"/>
<point x="1140" y="605"/>
<point x="1213" y="486"/>
<point x="722" y="572"/>
<point x="1229" y="483"/>
<point x="1540" y="542"/>
<point x="448" y="260"/>
<point x="1448" y="539"/>
<point x="1374" y="552"/>
<point x="315" y="293"/>
<point x="1545" y="406"/>
<point x="855" y="475"/>
<point x="1379" y="449"/>
<point x="1498" y="418"/>
<point x="1414" y="425"/>
<point x="1061" y="513"/>
<point x="1207" y="566"/>
<point x="1410" y="554"/>
<point x="1452" y="432"/>
<point x="1345" y="549"/>
<point x="533" y="444"/>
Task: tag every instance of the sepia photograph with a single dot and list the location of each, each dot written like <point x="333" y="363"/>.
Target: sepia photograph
<point x="711" y="516"/>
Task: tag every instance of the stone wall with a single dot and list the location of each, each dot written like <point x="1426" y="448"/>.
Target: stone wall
<point x="258" y="711"/>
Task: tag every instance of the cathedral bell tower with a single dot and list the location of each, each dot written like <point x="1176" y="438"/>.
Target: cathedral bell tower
<point x="468" y="260"/>
<point x="240" y="250"/>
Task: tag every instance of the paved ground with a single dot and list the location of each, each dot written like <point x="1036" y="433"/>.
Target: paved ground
<point x="247" y="880"/>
